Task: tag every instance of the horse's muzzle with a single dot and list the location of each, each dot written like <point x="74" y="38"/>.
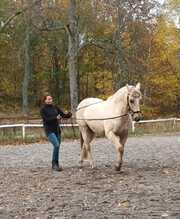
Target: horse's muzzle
<point x="137" y="116"/>
<point x="137" y="119"/>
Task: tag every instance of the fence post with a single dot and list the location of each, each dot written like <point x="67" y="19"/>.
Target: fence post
<point x="174" y="123"/>
<point x="23" y="131"/>
<point x="133" y="126"/>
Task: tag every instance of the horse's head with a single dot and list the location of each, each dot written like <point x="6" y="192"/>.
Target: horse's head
<point x="133" y="99"/>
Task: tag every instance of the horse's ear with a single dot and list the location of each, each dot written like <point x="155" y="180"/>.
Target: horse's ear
<point x="127" y="86"/>
<point x="138" y="86"/>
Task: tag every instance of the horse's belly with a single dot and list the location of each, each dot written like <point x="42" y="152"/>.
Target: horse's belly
<point x="117" y="126"/>
<point x="97" y="128"/>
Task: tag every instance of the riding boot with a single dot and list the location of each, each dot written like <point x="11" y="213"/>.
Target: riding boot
<point x="55" y="166"/>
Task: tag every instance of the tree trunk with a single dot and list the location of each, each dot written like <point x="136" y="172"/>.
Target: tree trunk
<point x="28" y="61"/>
<point x="73" y="37"/>
<point x="121" y="77"/>
<point x="57" y="84"/>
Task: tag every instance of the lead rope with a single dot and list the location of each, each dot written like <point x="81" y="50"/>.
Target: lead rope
<point x="72" y="124"/>
<point x="61" y="123"/>
<point x="95" y="119"/>
<point x="115" y="117"/>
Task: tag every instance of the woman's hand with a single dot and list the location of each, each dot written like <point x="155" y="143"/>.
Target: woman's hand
<point x="59" y="117"/>
<point x="69" y="114"/>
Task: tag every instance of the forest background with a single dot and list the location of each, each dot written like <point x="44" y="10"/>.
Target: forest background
<point x="74" y="49"/>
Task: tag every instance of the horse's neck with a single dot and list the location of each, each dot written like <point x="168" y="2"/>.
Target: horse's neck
<point x="119" y="100"/>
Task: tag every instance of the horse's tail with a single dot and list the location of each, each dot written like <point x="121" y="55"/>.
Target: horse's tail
<point x="83" y="149"/>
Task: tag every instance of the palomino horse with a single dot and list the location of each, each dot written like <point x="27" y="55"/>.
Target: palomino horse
<point x="110" y="118"/>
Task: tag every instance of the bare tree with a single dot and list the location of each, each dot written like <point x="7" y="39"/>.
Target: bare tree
<point x="73" y="36"/>
<point x="28" y="58"/>
<point x="32" y="13"/>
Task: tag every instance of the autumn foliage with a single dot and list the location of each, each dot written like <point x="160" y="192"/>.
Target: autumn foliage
<point x="118" y="44"/>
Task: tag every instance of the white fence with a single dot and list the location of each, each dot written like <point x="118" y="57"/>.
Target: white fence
<point x="174" y="120"/>
<point x="24" y="126"/>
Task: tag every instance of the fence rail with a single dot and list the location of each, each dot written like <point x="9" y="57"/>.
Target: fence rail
<point x="174" y="120"/>
<point x="24" y="126"/>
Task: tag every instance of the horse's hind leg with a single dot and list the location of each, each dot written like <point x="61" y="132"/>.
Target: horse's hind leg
<point x="119" y="147"/>
<point x="87" y="136"/>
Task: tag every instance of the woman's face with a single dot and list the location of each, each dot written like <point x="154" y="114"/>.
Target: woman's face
<point x="49" y="100"/>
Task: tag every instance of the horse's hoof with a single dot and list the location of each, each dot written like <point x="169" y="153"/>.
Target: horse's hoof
<point x="118" y="167"/>
<point x="81" y="163"/>
<point x="94" y="167"/>
<point x="107" y="165"/>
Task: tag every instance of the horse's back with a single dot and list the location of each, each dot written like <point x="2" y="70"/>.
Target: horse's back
<point x="88" y="102"/>
<point x="89" y="108"/>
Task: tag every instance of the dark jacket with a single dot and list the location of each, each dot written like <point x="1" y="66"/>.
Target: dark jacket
<point x="49" y="115"/>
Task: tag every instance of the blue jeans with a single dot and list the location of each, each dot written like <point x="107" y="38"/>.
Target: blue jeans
<point x="55" y="140"/>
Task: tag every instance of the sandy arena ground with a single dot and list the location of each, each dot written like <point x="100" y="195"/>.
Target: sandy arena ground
<point x="147" y="187"/>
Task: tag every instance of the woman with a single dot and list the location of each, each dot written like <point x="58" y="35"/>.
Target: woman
<point x="51" y="116"/>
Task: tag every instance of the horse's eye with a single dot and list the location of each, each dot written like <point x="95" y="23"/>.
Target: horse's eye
<point x="132" y="101"/>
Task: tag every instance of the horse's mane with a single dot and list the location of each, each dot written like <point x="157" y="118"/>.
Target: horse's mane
<point x="121" y="91"/>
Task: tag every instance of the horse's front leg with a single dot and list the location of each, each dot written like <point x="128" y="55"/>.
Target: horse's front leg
<point x="119" y="147"/>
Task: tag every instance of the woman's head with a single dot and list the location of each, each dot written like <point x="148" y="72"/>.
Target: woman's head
<point x="47" y="99"/>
